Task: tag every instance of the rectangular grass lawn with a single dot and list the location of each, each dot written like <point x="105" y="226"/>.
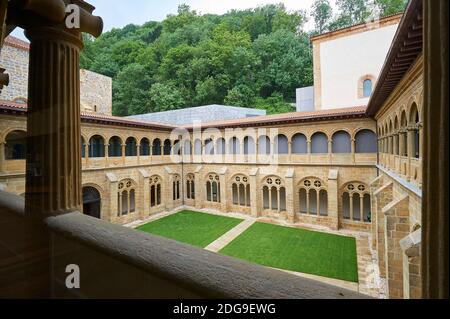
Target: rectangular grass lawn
<point x="197" y="229"/>
<point x="297" y="250"/>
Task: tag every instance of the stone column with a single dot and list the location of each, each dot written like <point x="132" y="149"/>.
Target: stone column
<point x="138" y="154"/>
<point x="86" y="154"/>
<point x="53" y="174"/>
<point x="411" y="148"/>
<point x="353" y="150"/>
<point x="330" y="151"/>
<point x="106" y="155"/>
<point x="123" y="154"/>
<point x="309" y="151"/>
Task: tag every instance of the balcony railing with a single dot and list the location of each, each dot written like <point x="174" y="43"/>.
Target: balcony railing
<point x="118" y="262"/>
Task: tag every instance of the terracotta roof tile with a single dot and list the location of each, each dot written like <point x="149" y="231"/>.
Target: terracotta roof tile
<point x="334" y="114"/>
<point x="291" y="117"/>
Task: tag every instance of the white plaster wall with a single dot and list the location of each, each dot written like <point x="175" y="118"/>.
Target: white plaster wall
<point x="345" y="60"/>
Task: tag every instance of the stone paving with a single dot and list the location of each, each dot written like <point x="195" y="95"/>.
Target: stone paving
<point x="220" y="243"/>
<point x="370" y="283"/>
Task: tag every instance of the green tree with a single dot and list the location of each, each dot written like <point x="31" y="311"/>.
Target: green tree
<point x="165" y="97"/>
<point x="273" y="104"/>
<point x="388" y="7"/>
<point x="322" y="14"/>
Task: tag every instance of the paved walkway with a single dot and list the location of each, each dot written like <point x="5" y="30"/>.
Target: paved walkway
<point x="220" y="243"/>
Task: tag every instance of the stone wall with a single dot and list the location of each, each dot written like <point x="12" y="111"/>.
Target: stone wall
<point x="95" y="89"/>
<point x="15" y="61"/>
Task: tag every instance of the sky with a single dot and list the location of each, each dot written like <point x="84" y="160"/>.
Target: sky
<point x="119" y="13"/>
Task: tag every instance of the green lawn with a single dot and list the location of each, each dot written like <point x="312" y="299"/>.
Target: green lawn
<point x="197" y="229"/>
<point x="298" y="250"/>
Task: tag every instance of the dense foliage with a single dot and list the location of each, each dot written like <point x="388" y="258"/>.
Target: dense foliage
<point x="252" y="58"/>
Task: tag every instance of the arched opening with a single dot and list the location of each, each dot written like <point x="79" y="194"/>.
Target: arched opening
<point x="145" y="147"/>
<point x="156" y="148"/>
<point x="221" y="148"/>
<point x="213" y="188"/>
<point x="319" y="143"/>
<point x="341" y="143"/>
<point x="281" y="145"/>
<point x="366" y="142"/>
<point x="131" y="147"/>
<point x="155" y="191"/>
<point x="115" y="147"/>
<point x="266" y="197"/>
<point x="176" y="185"/>
<point x="234" y="146"/>
<point x="190" y="186"/>
<point x="16" y="145"/>
<point x="92" y="202"/>
<point x="346" y="205"/>
<point x="299" y="144"/>
<point x="249" y="145"/>
<point x="96" y="147"/>
<point x="187" y="147"/>
<point x="264" y="145"/>
<point x="323" y="201"/>
<point x="198" y="147"/>
<point x="209" y="147"/>
<point x="404" y="134"/>
<point x="303" y="201"/>
<point x="414" y="120"/>
<point x="83" y="148"/>
<point x="167" y="147"/>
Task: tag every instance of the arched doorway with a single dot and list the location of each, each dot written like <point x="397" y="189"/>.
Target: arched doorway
<point x="92" y="202"/>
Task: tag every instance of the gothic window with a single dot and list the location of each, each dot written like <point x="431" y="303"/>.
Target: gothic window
<point x="190" y="186"/>
<point x="176" y="184"/>
<point x="213" y="188"/>
<point x="356" y="202"/>
<point x="126" y="197"/>
<point x="16" y="146"/>
<point x="241" y="191"/>
<point x="155" y="191"/>
<point x="274" y="194"/>
<point x="313" y="197"/>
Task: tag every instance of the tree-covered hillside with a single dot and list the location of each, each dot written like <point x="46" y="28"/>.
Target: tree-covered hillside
<point x="252" y="58"/>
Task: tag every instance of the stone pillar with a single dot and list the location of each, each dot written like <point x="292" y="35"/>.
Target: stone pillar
<point x="86" y="155"/>
<point x="290" y="151"/>
<point x="396" y="227"/>
<point x="53" y="174"/>
<point x="290" y="207"/>
<point x="411" y="148"/>
<point x="353" y="147"/>
<point x="383" y="196"/>
<point x="333" y="199"/>
<point x="223" y="191"/>
<point x="123" y="154"/>
<point x="330" y="151"/>
<point x="138" y="154"/>
<point x="106" y="155"/>
<point x="144" y="198"/>
<point x="255" y="193"/>
<point x="411" y="247"/>
<point x="2" y="157"/>
<point x="199" y="186"/>
<point x="112" y="190"/>
<point x="309" y="151"/>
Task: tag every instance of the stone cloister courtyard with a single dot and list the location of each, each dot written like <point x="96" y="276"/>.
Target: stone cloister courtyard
<point x="341" y="258"/>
